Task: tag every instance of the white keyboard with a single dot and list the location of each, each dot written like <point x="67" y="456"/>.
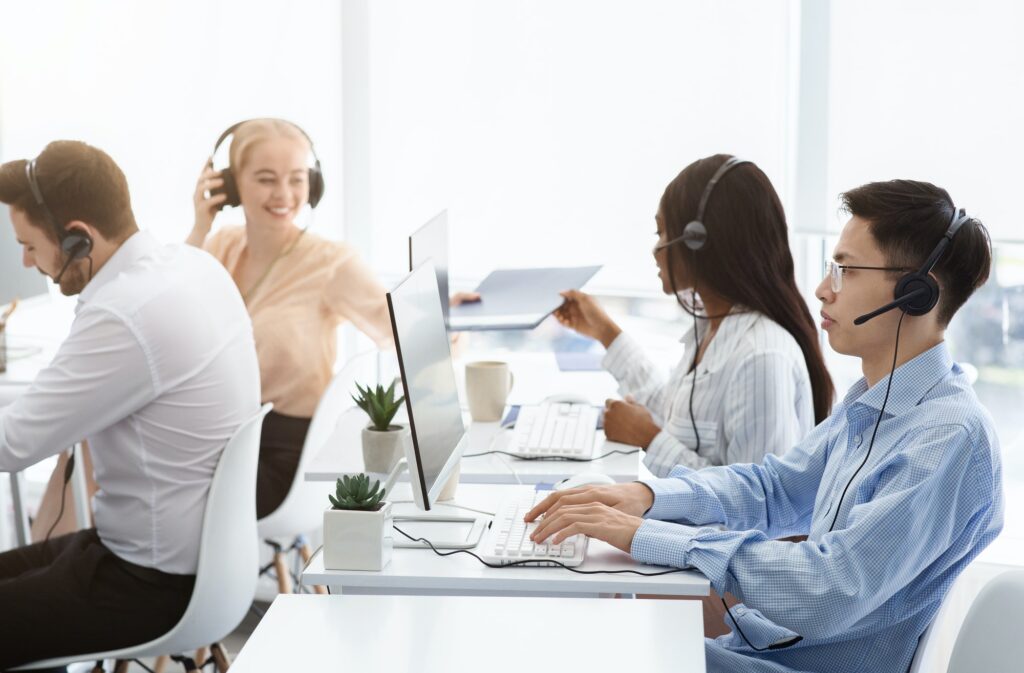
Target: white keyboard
<point x="508" y="539"/>
<point x="555" y="430"/>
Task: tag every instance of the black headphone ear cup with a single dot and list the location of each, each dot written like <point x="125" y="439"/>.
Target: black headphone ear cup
<point x="316" y="185"/>
<point x="230" y="188"/>
<point x="695" y="235"/>
<point x="913" y="282"/>
<point x="76" y="245"/>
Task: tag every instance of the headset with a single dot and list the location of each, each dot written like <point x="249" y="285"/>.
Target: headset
<point x="74" y="244"/>
<point x="230" y="186"/>
<point x="917" y="293"/>
<point x="695" y="234"/>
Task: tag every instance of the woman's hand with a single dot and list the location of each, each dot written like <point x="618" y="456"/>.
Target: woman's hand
<point x="206" y="206"/>
<point x="460" y="298"/>
<point x="582" y="313"/>
<point x="627" y="422"/>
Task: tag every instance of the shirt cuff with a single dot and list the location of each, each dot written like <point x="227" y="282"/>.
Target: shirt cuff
<point x="663" y="453"/>
<point x="671" y="496"/>
<point x="662" y="543"/>
<point x="621" y="352"/>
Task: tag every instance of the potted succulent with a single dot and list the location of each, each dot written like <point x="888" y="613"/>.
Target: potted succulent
<point x="383" y="442"/>
<point x="357" y="526"/>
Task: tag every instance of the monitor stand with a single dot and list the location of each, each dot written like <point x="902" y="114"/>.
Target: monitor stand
<point x="444" y="530"/>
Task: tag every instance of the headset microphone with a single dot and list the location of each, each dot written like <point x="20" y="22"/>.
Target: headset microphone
<point x="899" y="303"/>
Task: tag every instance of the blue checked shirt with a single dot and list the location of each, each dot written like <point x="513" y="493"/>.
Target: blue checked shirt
<point x="928" y="500"/>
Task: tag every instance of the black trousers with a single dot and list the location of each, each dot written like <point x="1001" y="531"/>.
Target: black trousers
<point x="72" y="595"/>
<point x="280" y="449"/>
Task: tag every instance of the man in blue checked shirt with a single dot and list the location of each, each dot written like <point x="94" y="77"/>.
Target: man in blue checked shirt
<point x="897" y="491"/>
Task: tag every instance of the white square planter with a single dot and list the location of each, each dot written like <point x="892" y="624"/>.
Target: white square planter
<point x="357" y="539"/>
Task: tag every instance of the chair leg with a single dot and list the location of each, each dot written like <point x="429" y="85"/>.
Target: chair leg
<point x="284" y="579"/>
<point x="161" y="663"/>
<point x="202" y="654"/>
<point x="220" y="657"/>
<point x="306" y="554"/>
<point x="121" y="666"/>
<point x="98" y="668"/>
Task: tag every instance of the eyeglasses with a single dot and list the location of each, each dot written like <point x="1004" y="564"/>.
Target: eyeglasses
<point x="835" y="271"/>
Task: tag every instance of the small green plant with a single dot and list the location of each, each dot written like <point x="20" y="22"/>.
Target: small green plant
<point x="356" y="493"/>
<point x="380" y="405"/>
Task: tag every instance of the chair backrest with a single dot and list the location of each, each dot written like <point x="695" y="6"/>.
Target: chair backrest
<point x="990" y="638"/>
<point x="228" y="558"/>
<point x="303" y="506"/>
<point x="228" y="550"/>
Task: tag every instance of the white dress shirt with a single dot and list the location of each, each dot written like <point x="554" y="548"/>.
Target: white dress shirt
<point x="753" y="394"/>
<point x="157" y="373"/>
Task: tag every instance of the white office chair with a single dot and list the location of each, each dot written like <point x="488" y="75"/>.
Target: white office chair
<point x="303" y="506"/>
<point x="990" y="638"/>
<point x="931" y="649"/>
<point x="228" y="558"/>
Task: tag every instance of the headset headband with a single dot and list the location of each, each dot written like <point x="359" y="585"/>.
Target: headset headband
<point x="729" y="164"/>
<point x="234" y="127"/>
<point x="37" y="194"/>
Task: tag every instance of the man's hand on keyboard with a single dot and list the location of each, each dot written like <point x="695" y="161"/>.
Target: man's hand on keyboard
<point x="595" y="520"/>
<point x="633" y="499"/>
<point x="627" y="422"/>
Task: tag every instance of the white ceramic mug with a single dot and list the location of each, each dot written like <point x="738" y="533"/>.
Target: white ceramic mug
<point x="487" y="387"/>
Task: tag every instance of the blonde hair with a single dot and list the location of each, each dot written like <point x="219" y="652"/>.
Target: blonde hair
<point x="255" y="131"/>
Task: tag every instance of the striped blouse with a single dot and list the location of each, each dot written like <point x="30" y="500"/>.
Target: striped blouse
<point x="753" y="394"/>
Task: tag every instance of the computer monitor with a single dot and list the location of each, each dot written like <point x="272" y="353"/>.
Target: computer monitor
<point x="429" y="243"/>
<point x="431" y="397"/>
<point x="16" y="281"/>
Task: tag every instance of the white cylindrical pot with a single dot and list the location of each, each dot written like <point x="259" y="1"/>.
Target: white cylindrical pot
<point x="357" y="539"/>
<point x="383" y="448"/>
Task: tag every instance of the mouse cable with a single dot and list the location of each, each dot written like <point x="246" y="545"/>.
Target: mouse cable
<point x="540" y="564"/>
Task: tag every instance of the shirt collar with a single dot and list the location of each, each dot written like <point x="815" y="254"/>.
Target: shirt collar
<point x="911" y="382"/>
<point x="720" y="350"/>
<point x="137" y="246"/>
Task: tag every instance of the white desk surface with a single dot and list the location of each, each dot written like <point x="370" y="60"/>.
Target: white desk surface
<point x="34" y="332"/>
<point x="536" y="376"/>
<point x="388" y="634"/>
<point x="421" y="571"/>
<point x="342" y="454"/>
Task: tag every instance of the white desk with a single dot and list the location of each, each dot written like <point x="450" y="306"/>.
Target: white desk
<point x="343" y="454"/>
<point x="388" y="634"/>
<point x="421" y="571"/>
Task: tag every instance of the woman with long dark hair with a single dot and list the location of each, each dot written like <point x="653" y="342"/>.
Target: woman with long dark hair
<point x="752" y="379"/>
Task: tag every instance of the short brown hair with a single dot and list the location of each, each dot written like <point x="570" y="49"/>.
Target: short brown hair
<point x="907" y="219"/>
<point x="78" y="182"/>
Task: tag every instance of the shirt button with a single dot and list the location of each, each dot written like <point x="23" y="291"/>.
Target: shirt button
<point x="857" y="440"/>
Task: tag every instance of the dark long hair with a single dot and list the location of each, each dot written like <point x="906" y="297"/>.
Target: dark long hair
<point x="746" y="258"/>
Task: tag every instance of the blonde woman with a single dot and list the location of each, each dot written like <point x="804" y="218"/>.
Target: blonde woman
<point x="297" y="286"/>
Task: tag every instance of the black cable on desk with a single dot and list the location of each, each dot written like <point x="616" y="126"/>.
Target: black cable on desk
<point x="540" y="564"/>
<point x="550" y="458"/>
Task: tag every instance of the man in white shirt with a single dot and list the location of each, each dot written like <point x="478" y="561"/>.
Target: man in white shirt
<point x="157" y="373"/>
